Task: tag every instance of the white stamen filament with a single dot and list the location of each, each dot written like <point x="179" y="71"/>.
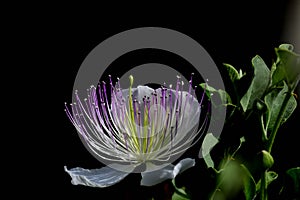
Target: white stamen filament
<point x="163" y="125"/>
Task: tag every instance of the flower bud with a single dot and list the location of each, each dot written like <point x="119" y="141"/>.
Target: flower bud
<point x="261" y="106"/>
<point x="267" y="159"/>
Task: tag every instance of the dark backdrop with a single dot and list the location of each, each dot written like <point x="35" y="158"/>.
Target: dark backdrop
<point x="231" y="33"/>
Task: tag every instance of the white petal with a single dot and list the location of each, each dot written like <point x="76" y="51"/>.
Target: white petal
<point x="102" y="177"/>
<point x="168" y="172"/>
<point x="139" y="92"/>
<point x="183" y="165"/>
<point x="158" y="176"/>
<point x="192" y="110"/>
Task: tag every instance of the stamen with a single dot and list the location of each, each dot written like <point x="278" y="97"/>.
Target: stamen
<point x="170" y="101"/>
<point x="115" y="129"/>
<point x="165" y="130"/>
<point x="130" y="99"/>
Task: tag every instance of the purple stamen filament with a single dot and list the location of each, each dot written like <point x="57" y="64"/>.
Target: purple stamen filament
<point x="134" y="131"/>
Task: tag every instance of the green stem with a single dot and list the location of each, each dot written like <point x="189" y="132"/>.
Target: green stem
<point x="178" y="191"/>
<point x="270" y="141"/>
<point x="263" y="186"/>
<point x="264" y="132"/>
<point x="278" y="122"/>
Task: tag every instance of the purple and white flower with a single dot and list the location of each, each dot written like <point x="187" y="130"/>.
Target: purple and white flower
<point x="140" y="130"/>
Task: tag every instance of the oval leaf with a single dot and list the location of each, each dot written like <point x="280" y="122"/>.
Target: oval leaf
<point x="287" y="68"/>
<point x="274" y="102"/>
<point x="294" y="173"/>
<point x="208" y="143"/>
<point x="258" y="85"/>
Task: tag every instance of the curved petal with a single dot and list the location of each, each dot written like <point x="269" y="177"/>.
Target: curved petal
<point x="158" y="176"/>
<point x="191" y="110"/>
<point x="183" y="165"/>
<point x="102" y="177"/>
<point x="168" y="172"/>
<point x="139" y="92"/>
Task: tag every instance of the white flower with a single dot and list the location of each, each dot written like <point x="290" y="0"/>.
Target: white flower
<point x="135" y="130"/>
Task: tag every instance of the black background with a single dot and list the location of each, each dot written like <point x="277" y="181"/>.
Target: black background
<point x="231" y="33"/>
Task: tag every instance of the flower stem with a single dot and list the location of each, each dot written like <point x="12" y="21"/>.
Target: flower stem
<point x="263" y="186"/>
<point x="263" y="130"/>
<point x="270" y="142"/>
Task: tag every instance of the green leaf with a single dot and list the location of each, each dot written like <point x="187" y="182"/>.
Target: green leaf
<point x="291" y="106"/>
<point x="249" y="183"/>
<point x="258" y="85"/>
<point x="294" y="173"/>
<point x="208" y="143"/>
<point x="274" y="101"/>
<point x="242" y="140"/>
<point x="224" y="96"/>
<point x="286" y="47"/>
<point x="287" y="67"/>
<point x="179" y="193"/>
<point x="177" y="196"/>
<point x="208" y="88"/>
<point x="271" y="176"/>
<point x="233" y="178"/>
<point x="233" y="73"/>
